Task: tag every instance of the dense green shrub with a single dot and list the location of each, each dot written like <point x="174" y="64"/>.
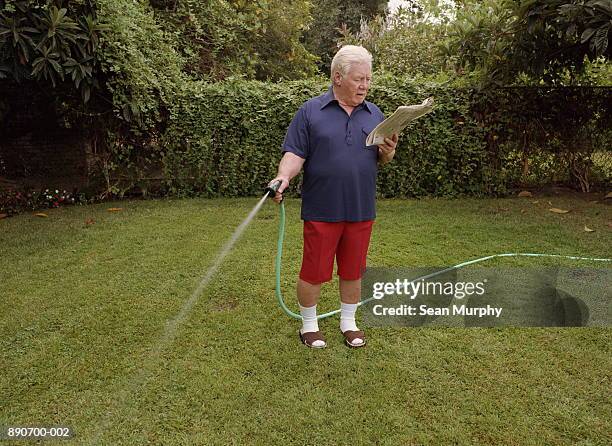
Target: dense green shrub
<point x="142" y="68"/>
<point x="547" y="134"/>
<point x="224" y="139"/>
<point x="112" y="51"/>
<point x="403" y="43"/>
<point x="329" y="17"/>
<point x="541" y="41"/>
<point x="44" y="41"/>
<point x="255" y="39"/>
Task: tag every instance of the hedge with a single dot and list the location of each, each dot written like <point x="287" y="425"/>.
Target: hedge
<point x="224" y="139"/>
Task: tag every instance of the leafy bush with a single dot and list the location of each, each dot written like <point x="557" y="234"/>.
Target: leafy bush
<point x="222" y="38"/>
<point x="331" y="16"/>
<point x="558" y="127"/>
<point x="224" y="139"/>
<point x="401" y="43"/>
<point x="44" y="41"/>
<point x="142" y="68"/>
<point x="540" y="40"/>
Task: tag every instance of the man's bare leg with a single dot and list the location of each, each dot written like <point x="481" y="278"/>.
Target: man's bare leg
<point x="350" y="291"/>
<point x="307" y="293"/>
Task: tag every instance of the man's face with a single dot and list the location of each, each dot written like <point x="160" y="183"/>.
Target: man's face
<point x="353" y="88"/>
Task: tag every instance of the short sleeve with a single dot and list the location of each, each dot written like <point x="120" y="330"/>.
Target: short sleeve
<point x="297" y="139"/>
<point x="379" y="113"/>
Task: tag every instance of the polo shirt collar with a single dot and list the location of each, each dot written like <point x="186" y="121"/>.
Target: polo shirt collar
<point x="328" y="98"/>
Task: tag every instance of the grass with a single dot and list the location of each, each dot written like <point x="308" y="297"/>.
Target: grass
<point x="85" y="308"/>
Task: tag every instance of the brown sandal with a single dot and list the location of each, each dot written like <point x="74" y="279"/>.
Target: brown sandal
<point x="351" y="335"/>
<point x="309" y="338"/>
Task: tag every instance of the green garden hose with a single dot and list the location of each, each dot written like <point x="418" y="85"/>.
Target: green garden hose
<point x="288" y="312"/>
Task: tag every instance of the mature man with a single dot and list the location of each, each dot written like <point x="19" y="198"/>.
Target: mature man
<point x="327" y="138"/>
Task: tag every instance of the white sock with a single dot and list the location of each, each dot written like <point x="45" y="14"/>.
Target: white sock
<point x="309" y="319"/>
<point x="347" y="320"/>
<point x="347" y="317"/>
<point x="310" y="322"/>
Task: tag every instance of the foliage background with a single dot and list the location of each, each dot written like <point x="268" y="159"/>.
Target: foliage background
<point x="224" y="139"/>
<point x="187" y="97"/>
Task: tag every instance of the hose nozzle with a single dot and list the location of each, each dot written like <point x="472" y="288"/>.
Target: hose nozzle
<point x="272" y="189"/>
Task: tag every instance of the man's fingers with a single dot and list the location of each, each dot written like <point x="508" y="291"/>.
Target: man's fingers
<point x="391" y="142"/>
<point x="284" y="185"/>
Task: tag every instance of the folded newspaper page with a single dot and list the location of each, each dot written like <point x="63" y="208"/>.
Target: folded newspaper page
<point x="398" y="121"/>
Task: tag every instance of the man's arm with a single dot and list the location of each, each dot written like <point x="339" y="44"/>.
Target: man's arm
<point x="289" y="166"/>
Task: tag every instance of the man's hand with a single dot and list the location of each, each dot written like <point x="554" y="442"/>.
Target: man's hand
<point x="386" y="151"/>
<point x="284" y="185"/>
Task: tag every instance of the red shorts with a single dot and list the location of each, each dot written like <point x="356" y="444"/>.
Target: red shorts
<point x="347" y="241"/>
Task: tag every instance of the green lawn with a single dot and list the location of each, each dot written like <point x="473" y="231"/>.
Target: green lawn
<point x="87" y="339"/>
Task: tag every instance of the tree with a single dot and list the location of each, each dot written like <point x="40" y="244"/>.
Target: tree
<point x="47" y="42"/>
<point x="256" y="39"/>
<point x="548" y="40"/>
<point x="329" y="17"/>
<point x="402" y="42"/>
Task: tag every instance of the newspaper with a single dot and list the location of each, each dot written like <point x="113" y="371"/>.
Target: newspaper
<point x="398" y="121"/>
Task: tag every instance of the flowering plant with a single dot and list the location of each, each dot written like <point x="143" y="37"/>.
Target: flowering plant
<point x="14" y="201"/>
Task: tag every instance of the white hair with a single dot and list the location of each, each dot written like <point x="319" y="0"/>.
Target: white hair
<point x="347" y="56"/>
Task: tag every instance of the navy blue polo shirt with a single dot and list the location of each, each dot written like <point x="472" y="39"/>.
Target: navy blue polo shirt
<point x="339" y="170"/>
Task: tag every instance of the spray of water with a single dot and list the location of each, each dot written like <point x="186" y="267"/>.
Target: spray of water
<point x="169" y="333"/>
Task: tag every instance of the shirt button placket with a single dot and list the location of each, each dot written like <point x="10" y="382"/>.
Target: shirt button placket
<point x="349" y="138"/>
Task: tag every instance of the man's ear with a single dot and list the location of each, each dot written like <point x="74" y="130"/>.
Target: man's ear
<point x="337" y="79"/>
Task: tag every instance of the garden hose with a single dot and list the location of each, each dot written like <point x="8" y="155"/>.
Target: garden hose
<point x="279" y="255"/>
